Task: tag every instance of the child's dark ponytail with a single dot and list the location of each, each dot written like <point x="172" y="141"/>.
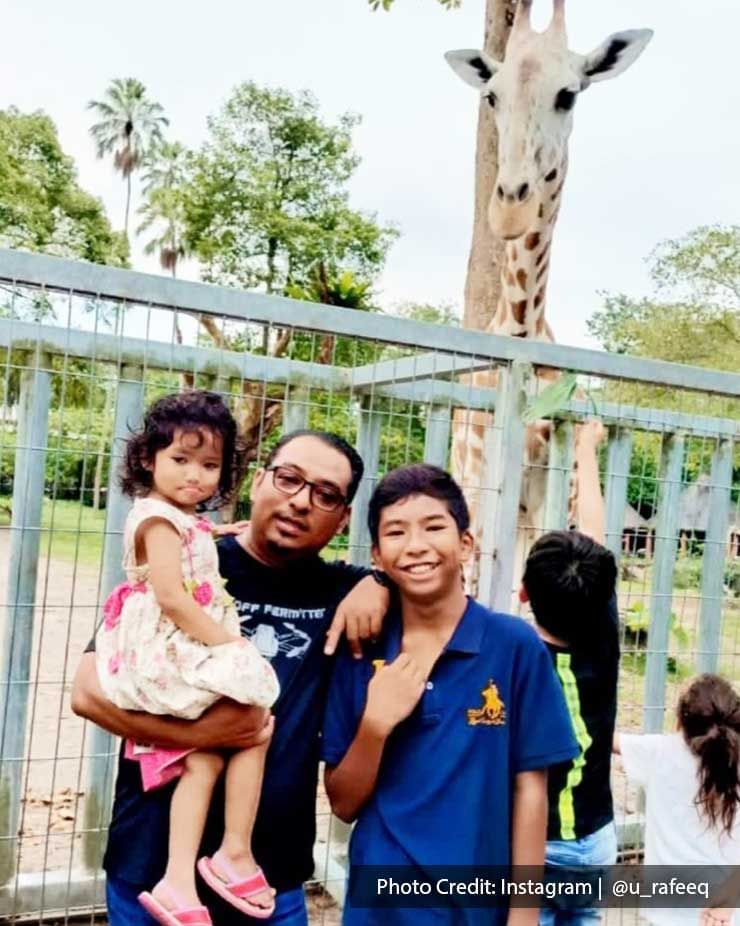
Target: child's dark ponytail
<point x="709" y="714"/>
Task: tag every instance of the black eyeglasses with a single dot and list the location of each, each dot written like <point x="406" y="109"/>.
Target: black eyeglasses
<point x="289" y="482"/>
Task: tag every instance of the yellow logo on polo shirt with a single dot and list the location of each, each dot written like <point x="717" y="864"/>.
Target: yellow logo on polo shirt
<point x="378" y="664"/>
<point x="493" y="712"/>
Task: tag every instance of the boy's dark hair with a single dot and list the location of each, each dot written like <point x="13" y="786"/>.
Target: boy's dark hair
<point x="192" y="412"/>
<point x="357" y="467"/>
<point x="570" y="579"/>
<point x="709" y="716"/>
<point x="417" y="479"/>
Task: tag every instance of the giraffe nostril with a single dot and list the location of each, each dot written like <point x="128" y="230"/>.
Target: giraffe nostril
<point x="500" y="192"/>
<point x="523" y="192"/>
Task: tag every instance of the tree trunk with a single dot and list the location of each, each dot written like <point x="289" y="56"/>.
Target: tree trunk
<point x="483" y="284"/>
<point x="128" y="202"/>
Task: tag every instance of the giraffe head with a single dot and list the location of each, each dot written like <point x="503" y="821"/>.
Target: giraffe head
<point x="533" y="92"/>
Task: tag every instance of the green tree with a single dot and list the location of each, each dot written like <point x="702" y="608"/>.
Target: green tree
<point x="163" y="209"/>
<point x="443" y="314"/>
<point x="387" y="4"/>
<point x="268" y="200"/>
<point x="129" y="125"/>
<point x="694" y="318"/>
<point x="267" y="207"/>
<point x="699" y="320"/>
<point x="703" y="266"/>
<point x="42" y="206"/>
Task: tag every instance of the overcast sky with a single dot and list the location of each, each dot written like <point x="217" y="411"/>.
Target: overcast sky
<point x="654" y="153"/>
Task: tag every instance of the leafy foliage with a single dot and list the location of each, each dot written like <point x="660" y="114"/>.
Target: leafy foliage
<point x="42" y="206"/>
<point x="387" y="4"/>
<point x="268" y="200"/>
<point x="163" y="209"/>
<point x="129" y="126"/>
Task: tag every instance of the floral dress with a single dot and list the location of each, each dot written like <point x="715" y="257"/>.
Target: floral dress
<point x="145" y="662"/>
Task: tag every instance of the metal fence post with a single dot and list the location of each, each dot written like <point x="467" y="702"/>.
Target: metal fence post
<point x="618" y="460"/>
<point x="713" y="559"/>
<point x="661" y="593"/>
<point x="559" y="469"/>
<point x="25" y="539"/>
<point x="437" y="436"/>
<point x="129" y="408"/>
<point x="295" y="410"/>
<point x="368" y="446"/>
<point x="504" y="470"/>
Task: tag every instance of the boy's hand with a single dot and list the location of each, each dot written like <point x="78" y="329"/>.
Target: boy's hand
<point x="359" y="615"/>
<point x="590" y="434"/>
<point x="393" y="693"/>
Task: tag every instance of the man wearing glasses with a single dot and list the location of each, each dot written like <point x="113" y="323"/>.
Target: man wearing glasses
<point x="291" y="605"/>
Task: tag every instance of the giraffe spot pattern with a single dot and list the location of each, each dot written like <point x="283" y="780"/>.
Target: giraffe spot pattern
<point x="541" y="255"/>
<point x="521" y="278"/>
<point x="542" y="271"/>
<point x="532" y="240"/>
<point x="519" y="310"/>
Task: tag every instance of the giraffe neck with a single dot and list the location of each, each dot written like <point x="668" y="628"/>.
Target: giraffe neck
<point x="521" y="307"/>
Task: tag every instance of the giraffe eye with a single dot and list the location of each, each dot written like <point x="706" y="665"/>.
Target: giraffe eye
<point x="564" y="100"/>
<point x="492" y="100"/>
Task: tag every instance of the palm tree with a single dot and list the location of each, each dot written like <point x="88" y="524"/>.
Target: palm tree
<point x="130" y="126"/>
<point x="163" y="205"/>
<point x="164" y="209"/>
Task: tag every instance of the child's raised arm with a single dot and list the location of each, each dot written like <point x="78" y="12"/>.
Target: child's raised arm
<point x="161" y="545"/>
<point x="590" y="501"/>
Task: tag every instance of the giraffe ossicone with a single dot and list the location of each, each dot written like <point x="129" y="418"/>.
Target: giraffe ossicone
<point x="533" y="93"/>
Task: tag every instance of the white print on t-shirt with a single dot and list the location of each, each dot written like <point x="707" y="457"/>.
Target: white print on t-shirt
<point x="293" y="643"/>
<point x="247" y="608"/>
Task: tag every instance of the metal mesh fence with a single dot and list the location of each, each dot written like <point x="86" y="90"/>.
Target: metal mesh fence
<point x="83" y="350"/>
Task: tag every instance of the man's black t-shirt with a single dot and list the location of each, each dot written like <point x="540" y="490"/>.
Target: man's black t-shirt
<point x="286" y="612"/>
<point x="579" y="792"/>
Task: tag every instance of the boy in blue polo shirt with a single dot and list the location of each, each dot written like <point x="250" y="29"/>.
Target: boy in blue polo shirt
<point x="438" y="742"/>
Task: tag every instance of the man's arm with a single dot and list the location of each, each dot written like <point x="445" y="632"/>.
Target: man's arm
<point x="359" y="615"/>
<point x="226" y="724"/>
<point x="528" y="833"/>
<point x="393" y="693"/>
<point x="590" y="501"/>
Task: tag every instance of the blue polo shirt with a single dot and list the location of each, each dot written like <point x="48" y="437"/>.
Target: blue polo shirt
<point x="493" y="707"/>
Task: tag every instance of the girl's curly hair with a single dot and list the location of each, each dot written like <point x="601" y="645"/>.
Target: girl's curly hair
<point x="193" y="412"/>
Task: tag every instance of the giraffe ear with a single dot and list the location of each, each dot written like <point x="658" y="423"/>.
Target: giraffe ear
<point x="475" y="67"/>
<point x="615" y="55"/>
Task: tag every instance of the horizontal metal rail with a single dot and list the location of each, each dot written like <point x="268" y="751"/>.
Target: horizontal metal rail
<point x="110" y="283"/>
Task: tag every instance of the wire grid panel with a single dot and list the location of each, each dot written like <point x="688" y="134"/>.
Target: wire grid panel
<point x="82" y="356"/>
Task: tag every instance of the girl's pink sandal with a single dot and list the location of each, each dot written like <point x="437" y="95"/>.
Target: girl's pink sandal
<point x="180" y="915"/>
<point x="238" y="890"/>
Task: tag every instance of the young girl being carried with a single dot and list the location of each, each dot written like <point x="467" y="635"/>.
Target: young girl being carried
<point x="692" y="791"/>
<point x="170" y="644"/>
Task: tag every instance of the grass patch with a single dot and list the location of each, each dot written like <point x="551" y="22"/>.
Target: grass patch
<point x="70" y="531"/>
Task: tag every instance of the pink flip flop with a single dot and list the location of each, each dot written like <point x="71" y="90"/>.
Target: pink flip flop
<point x="238" y="890"/>
<point x="181" y="915"/>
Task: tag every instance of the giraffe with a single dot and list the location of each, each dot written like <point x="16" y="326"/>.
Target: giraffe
<point x="533" y="93"/>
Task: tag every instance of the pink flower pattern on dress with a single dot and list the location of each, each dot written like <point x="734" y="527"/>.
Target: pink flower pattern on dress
<point x="203" y="594"/>
<point x="203" y="524"/>
<point x="115" y="601"/>
<point x="114" y="663"/>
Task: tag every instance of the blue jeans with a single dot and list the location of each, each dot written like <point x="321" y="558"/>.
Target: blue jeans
<point x="125" y="910"/>
<point x="600" y="848"/>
